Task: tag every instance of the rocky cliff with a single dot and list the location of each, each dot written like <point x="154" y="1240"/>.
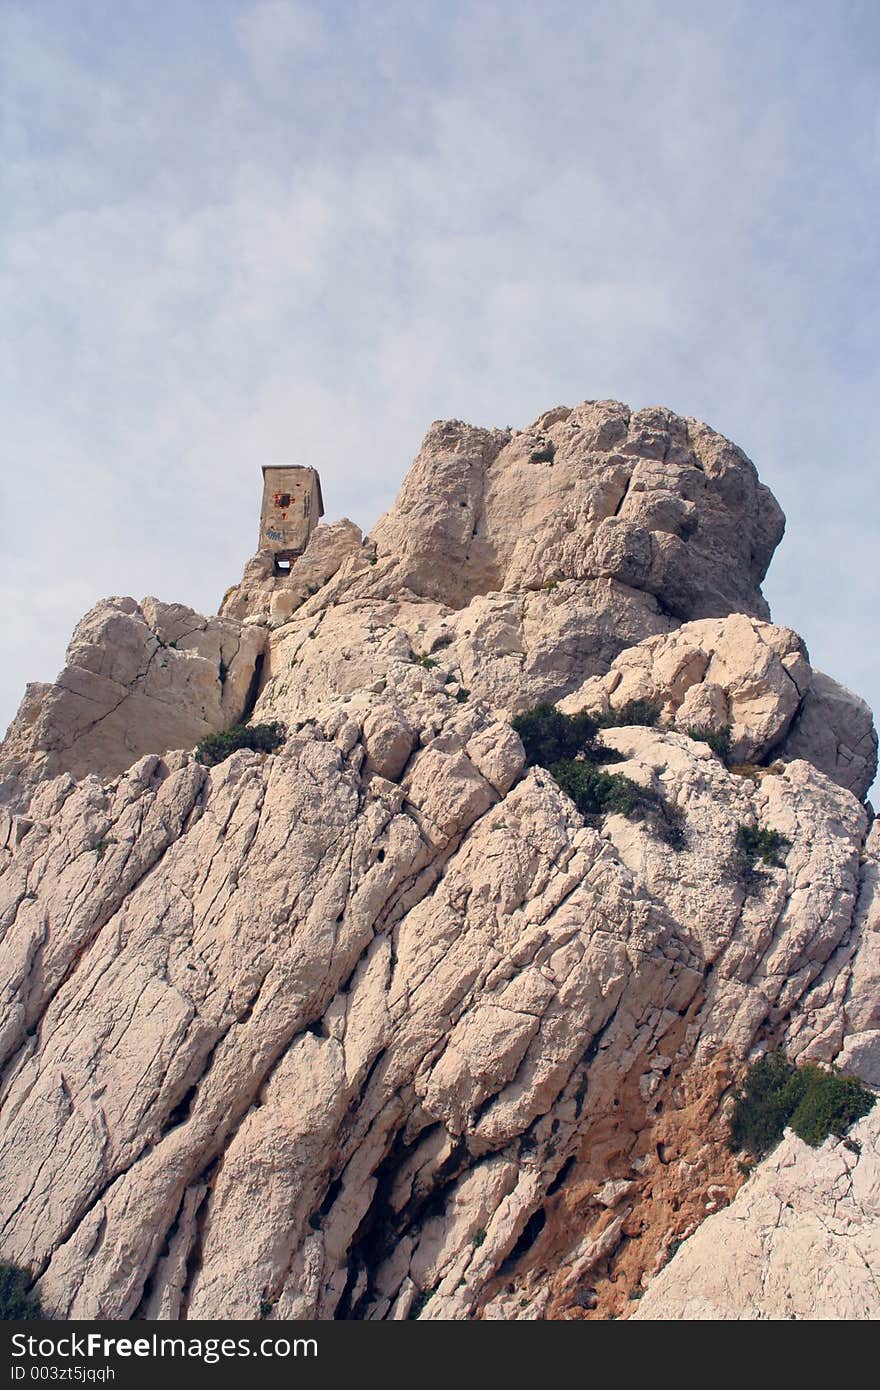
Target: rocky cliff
<point x="379" y="1025"/>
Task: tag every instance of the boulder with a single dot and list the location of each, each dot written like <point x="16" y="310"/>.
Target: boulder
<point x="834" y="730"/>
<point x="138" y="679"/>
<point x="736" y="671"/>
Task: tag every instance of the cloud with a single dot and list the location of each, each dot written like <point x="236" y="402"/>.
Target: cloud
<point x="249" y="231"/>
<point x="275" y="32"/>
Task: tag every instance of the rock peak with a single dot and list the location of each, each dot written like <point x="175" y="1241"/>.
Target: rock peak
<point x="470" y="1041"/>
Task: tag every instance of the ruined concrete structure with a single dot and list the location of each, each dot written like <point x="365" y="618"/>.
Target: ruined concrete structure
<point x="292" y="506"/>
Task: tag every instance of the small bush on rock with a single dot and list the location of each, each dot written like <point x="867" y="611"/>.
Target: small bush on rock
<point x="719" y="740"/>
<point x="594" y="791"/>
<point x="16" y="1303"/>
<point x="548" y="735"/>
<point x="813" y="1101"/>
<point x="831" y="1103"/>
<point x="754" y="845"/>
<point x="565" y="744"/>
<point x="262" y="738"/>
<point x="639" y="712"/>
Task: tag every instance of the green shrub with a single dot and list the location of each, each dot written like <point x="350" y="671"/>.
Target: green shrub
<point x="829" y="1105"/>
<point x="565" y="744"/>
<point x="813" y="1101"/>
<point x="719" y="740"/>
<point x="754" y="843"/>
<point x="17" y="1304"/>
<point x="633" y="712"/>
<point x="594" y="791"/>
<point x="262" y="738"/>
<point x="420" y="1303"/>
<point x="769" y="1096"/>
<point x="428" y="662"/>
<point x="548" y="735"/>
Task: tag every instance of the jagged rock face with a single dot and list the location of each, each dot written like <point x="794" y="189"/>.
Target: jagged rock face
<point x="297" y="981"/>
<point x="735" y="672"/>
<point x="376" y="1025"/>
<point x="834" y="730"/>
<point x="653" y="501"/>
<point x="138" y="679"/>
<point x="266" y="594"/>
<point x="750" y="676"/>
<point x="800" y="1240"/>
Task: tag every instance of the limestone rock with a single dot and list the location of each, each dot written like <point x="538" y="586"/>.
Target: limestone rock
<point x="263" y="593"/>
<point x="834" y="730"/>
<point x="388" y="741"/>
<point x="377" y="1025"/>
<point x="451" y="965"/>
<point x="800" y="1240"/>
<point x="654" y="501"/>
<point x="138" y="679"/>
<point x="733" y="671"/>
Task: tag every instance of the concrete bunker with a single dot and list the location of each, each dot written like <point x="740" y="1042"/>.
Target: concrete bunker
<point x="292" y="507"/>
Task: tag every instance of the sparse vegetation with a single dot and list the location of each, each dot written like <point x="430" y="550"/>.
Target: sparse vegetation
<point x="102" y="846"/>
<point x="754" y="843"/>
<point x="640" y="712"/>
<point x="813" y="1101"/>
<point x="548" y="735"/>
<point x="420" y="1302"/>
<point x="428" y="662"/>
<point x="719" y="740"/>
<point x="17" y="1303"/>
<point x="565" y="744"/>
<point x="262" y="738"/>
<point x="594" y="791"/>
<point x="461" y="695"/>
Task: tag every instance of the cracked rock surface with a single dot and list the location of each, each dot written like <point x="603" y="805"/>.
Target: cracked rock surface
<point x="800" y="1240"/>
<point x="139" y="678"/>
<point x="377" y="1025"/>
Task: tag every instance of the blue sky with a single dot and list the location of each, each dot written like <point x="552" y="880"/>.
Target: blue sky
<point x="236" y="232"/>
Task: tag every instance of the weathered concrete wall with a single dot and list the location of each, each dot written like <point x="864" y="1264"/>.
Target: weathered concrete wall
<point x="291" y="508"/>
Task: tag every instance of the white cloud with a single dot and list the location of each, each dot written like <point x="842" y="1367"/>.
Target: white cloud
<point x="274" y="32"/>
<point x="280" y="230"/>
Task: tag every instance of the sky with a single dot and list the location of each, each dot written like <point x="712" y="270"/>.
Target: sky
<point x="246" y="231"/>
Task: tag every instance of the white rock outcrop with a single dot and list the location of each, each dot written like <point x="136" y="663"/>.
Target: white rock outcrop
<point x="737" y="672"/>
<point x="377" y="1025"/>
<point x="264" y="593"/>
<point x="139" y="678"/>
<point x="834" y="730"/>
<point x="800" y="1240"/>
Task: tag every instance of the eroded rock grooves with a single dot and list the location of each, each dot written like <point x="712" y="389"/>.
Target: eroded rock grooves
<point x="376" y="1026"/>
